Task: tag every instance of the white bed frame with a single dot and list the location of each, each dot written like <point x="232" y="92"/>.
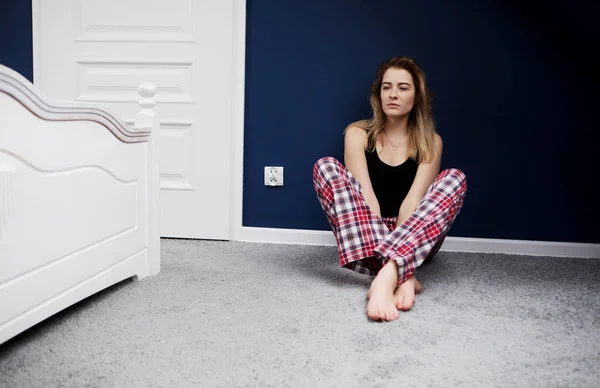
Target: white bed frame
<point x="79" y="193"/>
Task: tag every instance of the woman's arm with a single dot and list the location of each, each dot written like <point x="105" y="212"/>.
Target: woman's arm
<point x="426" y="174"/>
<point x="356" y="162"/>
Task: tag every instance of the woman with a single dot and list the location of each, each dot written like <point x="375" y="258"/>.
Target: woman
<point x="389" y="207"/>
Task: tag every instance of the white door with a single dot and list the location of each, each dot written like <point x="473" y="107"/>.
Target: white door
<point x="101" y="50"/>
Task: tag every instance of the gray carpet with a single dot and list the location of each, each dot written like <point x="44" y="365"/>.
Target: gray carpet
<point x="225" y="314"/>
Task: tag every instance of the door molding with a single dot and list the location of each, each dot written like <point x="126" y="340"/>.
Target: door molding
<point x="237" y="123"/>
<point x="35" y="42"/>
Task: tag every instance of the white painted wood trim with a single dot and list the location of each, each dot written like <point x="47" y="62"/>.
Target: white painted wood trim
<point x="287" y="236"/>
<point x="237" y="138"/>
<point x="451" y="244"/>
<point x="17" y="86"/>
<point x="35" y="31"/>
<point x="521" y="247"/>
<point x="148" y="118"/>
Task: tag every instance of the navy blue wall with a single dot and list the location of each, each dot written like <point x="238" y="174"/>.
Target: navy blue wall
<point x="16" y="47"/>
<point x="516" y="96"/>
<point x="515" y="101"/>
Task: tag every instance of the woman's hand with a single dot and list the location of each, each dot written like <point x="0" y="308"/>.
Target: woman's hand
<point x="373" y="204"/>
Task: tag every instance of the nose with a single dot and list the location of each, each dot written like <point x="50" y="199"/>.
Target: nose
<point x="394" y="92"/>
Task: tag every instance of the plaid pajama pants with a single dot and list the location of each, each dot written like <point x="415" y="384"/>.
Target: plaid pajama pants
<point x="366" y="241"/>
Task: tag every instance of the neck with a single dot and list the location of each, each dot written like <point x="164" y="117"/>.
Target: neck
<point x="397" y="126"/>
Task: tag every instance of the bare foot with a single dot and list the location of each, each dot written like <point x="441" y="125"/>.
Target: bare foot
<point x="404" y="296"/>
<point x="381" y="304"/>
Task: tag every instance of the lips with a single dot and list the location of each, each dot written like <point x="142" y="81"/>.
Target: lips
<point x="393" y="105"/>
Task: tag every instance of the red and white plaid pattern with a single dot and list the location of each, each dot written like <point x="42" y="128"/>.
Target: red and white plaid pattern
<point x="366" y="241"/>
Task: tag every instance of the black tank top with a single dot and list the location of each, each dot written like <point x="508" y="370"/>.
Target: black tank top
<point x="390" y="183"/>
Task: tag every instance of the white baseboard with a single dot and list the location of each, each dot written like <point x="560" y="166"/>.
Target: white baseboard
<point x="451" y="244"/>
<point x="287" y="236"/>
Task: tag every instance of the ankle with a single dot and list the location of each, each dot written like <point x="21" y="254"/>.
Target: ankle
<point x="389" y="272"/>
<point x="392" y="264"/>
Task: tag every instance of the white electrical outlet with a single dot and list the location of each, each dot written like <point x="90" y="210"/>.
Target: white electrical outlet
<point x="273" y="176"/>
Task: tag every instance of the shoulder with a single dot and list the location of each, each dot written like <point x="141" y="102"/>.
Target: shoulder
<point x="354" y="130"/>
<point x="355" y="135"/>
<point x="433" y="152"/>
<point x="438" y="143"/>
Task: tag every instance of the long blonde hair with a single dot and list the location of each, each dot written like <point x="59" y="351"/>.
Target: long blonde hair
<point x="421" y="126"/>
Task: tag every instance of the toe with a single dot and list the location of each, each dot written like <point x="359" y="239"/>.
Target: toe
<point x="408" y="303"/>
<point x="399" y="301"/>
<point x="373" y="314"/>
<point x="391" y="313"/>
<point x="388" y="316"/>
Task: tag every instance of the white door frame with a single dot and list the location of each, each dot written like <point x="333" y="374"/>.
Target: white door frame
<point x="237" y="122"/>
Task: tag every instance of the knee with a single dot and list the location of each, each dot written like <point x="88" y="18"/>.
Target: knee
<point x="456" y="175"/>
<point x="326" y="161"/>
<point x="325" y="165"/>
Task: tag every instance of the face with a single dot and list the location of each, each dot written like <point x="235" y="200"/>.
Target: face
<point x="397" y="92"/>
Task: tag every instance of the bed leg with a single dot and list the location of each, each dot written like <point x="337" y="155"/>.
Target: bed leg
<point x="148" y="118"/>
